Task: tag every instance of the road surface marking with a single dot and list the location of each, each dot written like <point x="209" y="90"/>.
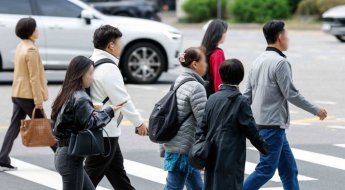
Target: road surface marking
<point x="250" y="168"/>
<point x="340" y="145"/>
<point x="325" y="102"/>
<point x="38" y="175"/>
<point x="299" y="123"/>
<point x="144" y="171"/>
<point x="336" y="127"/>
<point x="52" y="179"/>
<point x="317" y="158"/>
<point x="308" y="121"/>
<point x="142" y="87"/>
<point x="158" y="175"/>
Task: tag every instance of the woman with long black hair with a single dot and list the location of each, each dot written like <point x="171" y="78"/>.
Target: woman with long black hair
<point x="214" y="36"/>
<point x="73" y="111"/>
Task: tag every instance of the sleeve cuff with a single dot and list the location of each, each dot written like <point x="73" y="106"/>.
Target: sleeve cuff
<point x="109" y="110"/>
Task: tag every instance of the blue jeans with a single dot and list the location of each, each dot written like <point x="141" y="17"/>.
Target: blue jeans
<point x="280" y="156"/>
<point x="176" y="180"/>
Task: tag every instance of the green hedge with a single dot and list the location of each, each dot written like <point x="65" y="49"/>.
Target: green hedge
<point x="202" y="10"/>
<point x="316" y="7"/>
<point x="259" y="11"/>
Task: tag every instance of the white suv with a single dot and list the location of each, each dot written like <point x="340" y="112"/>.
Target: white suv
<point x="66" y="30"/>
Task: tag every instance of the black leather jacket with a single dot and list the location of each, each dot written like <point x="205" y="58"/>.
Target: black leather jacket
<point x="78" y="114"/>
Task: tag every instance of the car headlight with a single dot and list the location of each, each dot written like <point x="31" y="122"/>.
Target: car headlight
<point x="173" y="35"/>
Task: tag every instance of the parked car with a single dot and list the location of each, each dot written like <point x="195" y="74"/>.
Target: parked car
<point x="130" y="8"/>
<point x="66" y="28"/>
<point x="334" y="22"/>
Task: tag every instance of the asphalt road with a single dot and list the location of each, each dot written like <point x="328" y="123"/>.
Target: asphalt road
<point x="318" y="64"/>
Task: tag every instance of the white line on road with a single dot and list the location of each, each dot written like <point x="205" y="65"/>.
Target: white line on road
<point x="250" y="168"/>
<point x="340" y="145"/>
<point x="336" y="127"/>
<point x="142" y="87"/>
<point x="325" y="102"/>
<point x="145" y="171"/>
<point x="52" y="179"/>
<point x="38" y="175"/>
<point x="317" y="158"/>
<point x="299" y="123"/>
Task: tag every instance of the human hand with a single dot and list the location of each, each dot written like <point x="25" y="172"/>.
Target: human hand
<point x="322" y="114"/>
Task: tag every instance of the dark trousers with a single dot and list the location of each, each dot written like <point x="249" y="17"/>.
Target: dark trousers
<point x="72" y="171"/>
<point x="21" y="109"/>
<point x="112" y="167"/>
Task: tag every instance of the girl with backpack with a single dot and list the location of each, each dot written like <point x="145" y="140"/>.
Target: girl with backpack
<point x="191" y="100"/>
<point x="214" y="36"/>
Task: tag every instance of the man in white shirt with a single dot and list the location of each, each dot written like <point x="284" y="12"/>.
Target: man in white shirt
<point x="108" y="86"/>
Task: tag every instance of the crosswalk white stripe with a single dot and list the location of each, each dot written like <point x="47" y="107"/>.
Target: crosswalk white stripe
<point x="144" y="171"/>
<point x="52" y="179"/>
<point x="158" y="175"/>
<point x="250" y="168"/>
<point x="317" y="158"/>
<point x="340" y="145"/>
<point x="39" y="175"/>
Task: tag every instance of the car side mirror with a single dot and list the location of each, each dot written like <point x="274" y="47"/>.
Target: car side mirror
<point x="87" y="15"/>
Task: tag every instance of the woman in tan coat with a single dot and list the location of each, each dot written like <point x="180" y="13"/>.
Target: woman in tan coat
<point x="29" y="88"/>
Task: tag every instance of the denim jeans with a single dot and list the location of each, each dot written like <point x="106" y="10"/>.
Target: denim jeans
<point x="280" y="157"/>
<point x="72" y="171"/>
<point x="176" y="180"/>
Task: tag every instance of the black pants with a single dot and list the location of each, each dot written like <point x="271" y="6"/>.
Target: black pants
<point x="112" y="167"/>
<point x="72" y="171"/>
<point x="21" y="109"/>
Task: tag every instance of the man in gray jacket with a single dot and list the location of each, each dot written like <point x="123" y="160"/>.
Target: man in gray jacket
<point x="269" y="89"/>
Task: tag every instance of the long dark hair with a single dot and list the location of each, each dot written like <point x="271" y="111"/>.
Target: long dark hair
<point x="73" y="82"/>
<point x="213" y="35"/>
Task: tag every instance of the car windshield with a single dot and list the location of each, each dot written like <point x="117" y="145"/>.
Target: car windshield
<point x="85" y="6"/>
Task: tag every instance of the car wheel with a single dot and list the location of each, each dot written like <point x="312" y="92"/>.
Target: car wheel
<point x="340" y="38"/>
<point x="143" y="63"/>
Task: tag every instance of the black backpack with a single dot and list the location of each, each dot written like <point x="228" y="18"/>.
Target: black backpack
<point x="98" y="63"/>
<point x="163" y="123"/>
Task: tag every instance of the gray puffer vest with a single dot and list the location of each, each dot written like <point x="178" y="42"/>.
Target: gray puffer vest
<point x="191" y="97"/>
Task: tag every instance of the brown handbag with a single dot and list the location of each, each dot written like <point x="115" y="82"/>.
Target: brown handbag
<point x="37" y="132"/>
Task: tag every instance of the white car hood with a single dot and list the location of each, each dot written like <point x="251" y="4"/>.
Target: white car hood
<point x="141" y="24"/>
<point x="336" y="12"/>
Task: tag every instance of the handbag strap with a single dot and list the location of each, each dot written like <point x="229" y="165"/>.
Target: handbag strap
<point x="34" y="113"/>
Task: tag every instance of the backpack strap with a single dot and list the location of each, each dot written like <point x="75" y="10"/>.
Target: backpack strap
<point x="104" y="61"/>
<point x="177" y="87"/>
<point x="181" y="83"/>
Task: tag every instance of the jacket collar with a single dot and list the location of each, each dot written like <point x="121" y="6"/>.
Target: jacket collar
<point x="100" y="54"/>
<point x="232" y="91"/>
<point x="276" y="50"/>
<point x="192" y="73"/>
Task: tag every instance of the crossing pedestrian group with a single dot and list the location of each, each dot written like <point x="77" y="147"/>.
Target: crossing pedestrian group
<point x="200" y="125"/>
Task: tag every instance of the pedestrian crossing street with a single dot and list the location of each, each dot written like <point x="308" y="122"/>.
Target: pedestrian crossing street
<point x="310" y="163"/>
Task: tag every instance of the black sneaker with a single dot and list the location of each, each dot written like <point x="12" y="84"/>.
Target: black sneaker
<point x="7" y="167"/>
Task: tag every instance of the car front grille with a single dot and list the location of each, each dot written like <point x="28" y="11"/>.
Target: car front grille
<point x="334" y="20"/>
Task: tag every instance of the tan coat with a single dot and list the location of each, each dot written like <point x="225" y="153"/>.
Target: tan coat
<point x="29" y="77"/>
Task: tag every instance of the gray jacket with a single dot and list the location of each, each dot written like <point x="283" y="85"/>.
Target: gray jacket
<point x="191" y="97"/>
<point x="270" y="88"/>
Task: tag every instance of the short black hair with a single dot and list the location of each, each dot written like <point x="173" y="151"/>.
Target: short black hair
<point x="104" y="35"/>
<point x="231" y="72"/>
<point x="272" y="29"/>
<point x="25" y="28"/>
